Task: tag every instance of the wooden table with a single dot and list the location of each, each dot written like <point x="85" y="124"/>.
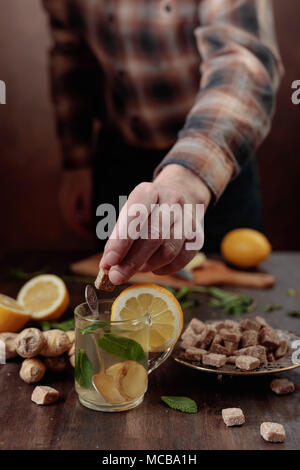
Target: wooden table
<point x="68" y="425"/>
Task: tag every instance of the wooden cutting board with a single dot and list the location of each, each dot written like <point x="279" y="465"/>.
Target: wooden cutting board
<point x="212" y="272"/>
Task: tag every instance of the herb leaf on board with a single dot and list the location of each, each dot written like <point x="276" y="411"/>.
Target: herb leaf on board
<point x="184" y="404"/>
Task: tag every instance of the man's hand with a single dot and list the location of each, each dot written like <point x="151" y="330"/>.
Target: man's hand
<point x="75" y="199"/>
<point x="124" y="257"/>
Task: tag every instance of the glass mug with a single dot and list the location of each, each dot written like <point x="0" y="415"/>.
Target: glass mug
<point x="112" y="359"/>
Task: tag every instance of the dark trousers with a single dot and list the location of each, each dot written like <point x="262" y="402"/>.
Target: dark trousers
<point x="118" y="168"/>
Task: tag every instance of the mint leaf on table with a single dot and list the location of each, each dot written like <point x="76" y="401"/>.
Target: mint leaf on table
<point x="182" y="293"/>
<point x="83" y="369"/>
<point x="271" y="308"/>
<point x="122" y="347"/>
<point x="91" y="328"/>
<point x="187" y="303"/>
<point x="65" y="325"/>
<point x="294" y="313"/>
<point x="184" y="404"/>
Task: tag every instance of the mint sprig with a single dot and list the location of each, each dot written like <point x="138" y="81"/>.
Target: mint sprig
<point x="83" y="369"/>
<point x="184" y="404"/>
<point x="120" y="346"/>
<point x="91" y="328"/>
<point x="65" y="325"/>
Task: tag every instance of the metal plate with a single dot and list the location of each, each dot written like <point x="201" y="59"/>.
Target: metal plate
<point x="281" y="365"/>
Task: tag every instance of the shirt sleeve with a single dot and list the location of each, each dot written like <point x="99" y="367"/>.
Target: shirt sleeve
<point x="240" y="74"/>
<point x="75" y="76"/>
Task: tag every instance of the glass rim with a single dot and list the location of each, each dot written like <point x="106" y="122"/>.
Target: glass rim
<point x="136" y="320"/>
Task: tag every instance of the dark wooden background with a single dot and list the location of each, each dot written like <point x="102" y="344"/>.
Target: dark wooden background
<point x="30" y="162"/>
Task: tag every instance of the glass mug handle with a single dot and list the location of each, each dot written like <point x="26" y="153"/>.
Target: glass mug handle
<point x="157" y="361"/>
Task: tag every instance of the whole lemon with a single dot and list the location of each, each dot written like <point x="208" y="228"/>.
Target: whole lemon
<point x="245" y="247"/>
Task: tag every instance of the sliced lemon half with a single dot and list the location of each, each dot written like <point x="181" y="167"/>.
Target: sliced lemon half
<point x="13" y="316"/>
<point x="45" y="296"/>
<point x="164" y="309"/>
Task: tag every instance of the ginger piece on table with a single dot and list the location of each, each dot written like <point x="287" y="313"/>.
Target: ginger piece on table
<point x="9" y="340"/>
<point x="44" y="395"/>
<point x="32" y="370"/>
<point x="30" y="342"/>
<point x="56" y="364"/>
<point x="56" y="343"/>
<point x="102" y="281"/>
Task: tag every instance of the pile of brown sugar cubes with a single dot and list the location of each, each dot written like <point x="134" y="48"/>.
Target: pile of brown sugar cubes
<point x="247" y="344"/>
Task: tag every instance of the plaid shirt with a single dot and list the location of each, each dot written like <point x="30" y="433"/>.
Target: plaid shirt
<point x="196" y="77"/>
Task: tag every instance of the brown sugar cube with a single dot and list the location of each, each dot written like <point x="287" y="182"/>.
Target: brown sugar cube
<point x="204" y="339"/>
<point x="282" y="349"/>
<point x="187" y="332"/>
<point x="261" y="321"/>
<point x="249" y="325"/>
<point x="231" y="347"/>
<point x="230" y="335"/>
<point x="231" y="324"/>
<point x="194" y="354"/>
<point x="218" y="349"/>
<point x="270" y="357"/>
<point x="233" y="416"/>
<point x="269" y="338"/>
<point x="188" y="338"/>
<point x="102" y="281"/>
<point x="217" y="339"/>
<point x="247" y="362"/>
<point x="282" y="386"/>
<point x="43" y="395"/>
<point x="219" y="325"/>
<point x="231" y="360"/>
<point x="249" y="338"/>
<point x="196" y="325"/>
<point x="255" y="351"/>
<point x="214" y="360"/>
<point x="272" y="432"/>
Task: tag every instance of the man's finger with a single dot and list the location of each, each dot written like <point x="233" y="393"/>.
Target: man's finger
<point x="167" y="252"/>
<point x="178" y="263"/>
<point x="121" y="239"/>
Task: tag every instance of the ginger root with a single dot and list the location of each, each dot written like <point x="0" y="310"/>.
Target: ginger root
<point x="71" y="335"/>
<point x="9" y="339"/>
<point x="56" y="343"/>
<point x="32" y="370"/>
<point x="71" y="354"/>
<point x="56" y="364"/>
<point x="30" y="342"/>
<point x="72" y="360"/>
